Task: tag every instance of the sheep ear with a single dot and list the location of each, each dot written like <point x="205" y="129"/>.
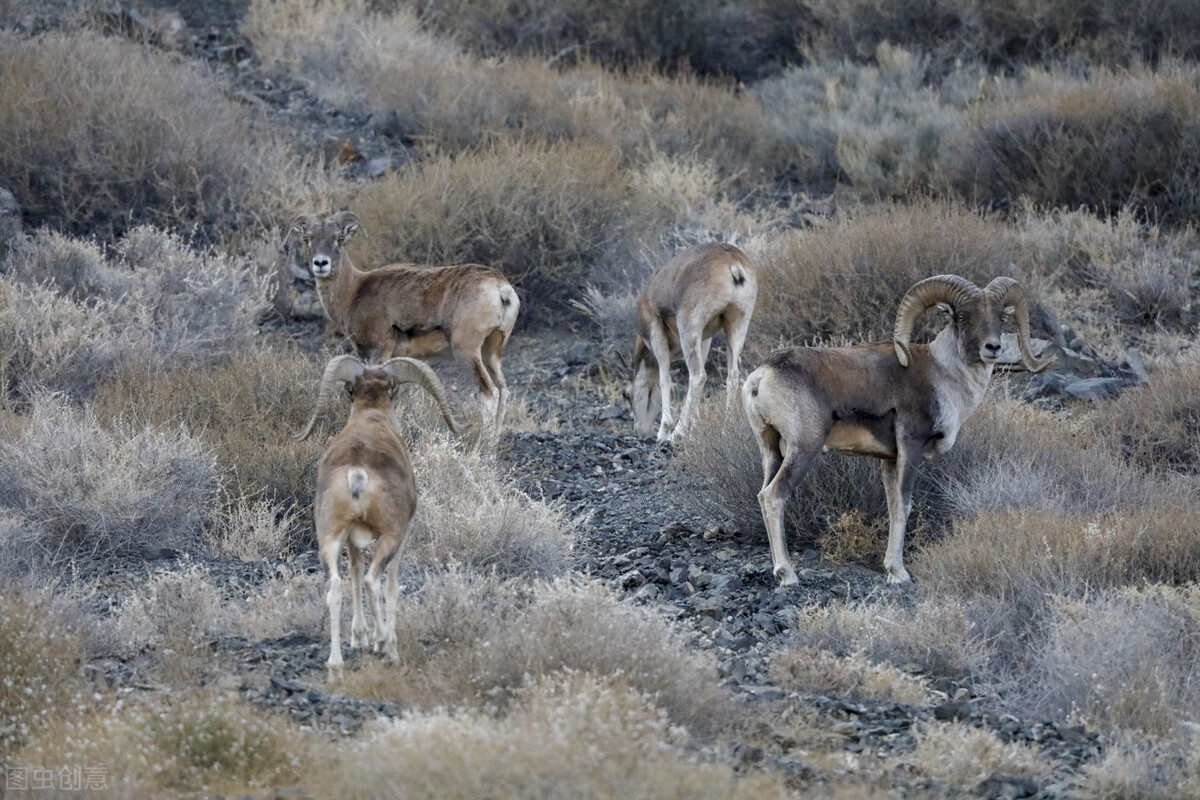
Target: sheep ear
<point x="1010" y="310"/>
<point x="946" y="309"/>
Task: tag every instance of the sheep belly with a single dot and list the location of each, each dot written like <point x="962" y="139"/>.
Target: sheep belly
<point x="847" y="438"/>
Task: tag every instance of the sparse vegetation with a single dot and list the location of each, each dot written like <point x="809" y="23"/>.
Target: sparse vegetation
<point x="155" y="513"/>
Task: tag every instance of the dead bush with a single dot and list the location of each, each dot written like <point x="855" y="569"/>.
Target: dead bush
<point x="843" y="281"/>
<point x="83" y="490"/>
<point x="1107" y="142"/>
<point x="744" y="42"/>
<point x="98" y="134"/>
<point x="964" y="756"/>
<point x="1094" y="661"/>
<point x="1004" y="34"/>
<point x="73" y="314"/>
<point x="808" y="669"/>
<point x="246" y="410"/>
<point x="938" y="637"/>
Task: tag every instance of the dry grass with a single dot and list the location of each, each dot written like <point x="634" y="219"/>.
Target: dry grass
<point x="938" y="637"/>
<point x="1157" y="427"/>
<point x="475" y="640"/>
<point x="384" y="63"/>
<point x="40" y="653"/>
<point x="146" y="137"/>
<point x="843" y="281"/>
<point x="808" y="669"/>
<point x="73" y="315"/>
<point x="246" y="410"/>
<point x="1003" y="34"/>
<point x="565" y="735"/>
<point x="253" y="528"/>
<point x="186" y="743"/>
<point x="468" y="513"/>
<point x="962" y="756"/>
<point x="1094" y="662"/>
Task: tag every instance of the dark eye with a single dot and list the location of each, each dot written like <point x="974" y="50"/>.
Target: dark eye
<point x="305" y="240"/>
<point x="962" y="317"/>
<point x="341" y="239"/>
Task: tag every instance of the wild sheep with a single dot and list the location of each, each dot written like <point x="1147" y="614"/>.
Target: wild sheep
<point x="896" y="401"/>
<point x="689" y="298"/>
<point x="414" y="310"/>
<point x="366" y="493"/>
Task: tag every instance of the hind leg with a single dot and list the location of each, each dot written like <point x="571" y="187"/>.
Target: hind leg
<point x="736" y="325"/>
<point x="493" y="349"/>
<point x="695" y="350"/>
<point x="331" y="551"/>
<point x="487" y="393"/>
<point x="772" y="500"/>
<point x="358" y="625"/>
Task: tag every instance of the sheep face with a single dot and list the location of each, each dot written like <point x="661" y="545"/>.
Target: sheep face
<point x="322" y="241"/>
<point x="978" y="325"/>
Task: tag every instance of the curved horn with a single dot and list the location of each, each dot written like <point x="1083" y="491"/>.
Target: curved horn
<point x="410" y="370"/>
<point x="299" y="225"/>
<point x="339" y="368"/>
<point x="348" y="221"/>
<point x="1009" y="292"/>
<point x="922" y="296"/>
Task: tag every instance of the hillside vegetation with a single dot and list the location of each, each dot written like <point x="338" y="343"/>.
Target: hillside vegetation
<point x="162" y="617"/>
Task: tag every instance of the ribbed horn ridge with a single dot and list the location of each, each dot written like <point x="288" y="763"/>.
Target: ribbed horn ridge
<point x="339" y="368"/>
<point x="1010" y="292"/>
<point x="922" y="296"/>
<point x="410" y="370"/>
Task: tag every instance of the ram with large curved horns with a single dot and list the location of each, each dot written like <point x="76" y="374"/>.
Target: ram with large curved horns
<point x="366" y="494"/>
<point x="895" y="401"/>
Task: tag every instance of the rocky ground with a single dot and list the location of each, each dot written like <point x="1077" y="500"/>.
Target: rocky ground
<point x="640" y="528"/>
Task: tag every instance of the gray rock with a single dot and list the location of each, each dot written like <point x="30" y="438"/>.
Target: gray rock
<point x="1095" y="388"/>
<point x="10" y="221"/>
<point x="577" y="353"/>
<point x="1133" y="360"/>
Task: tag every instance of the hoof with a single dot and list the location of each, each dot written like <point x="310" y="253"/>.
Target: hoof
<point x="335" y="672"/>
<point x="786" y="576"/>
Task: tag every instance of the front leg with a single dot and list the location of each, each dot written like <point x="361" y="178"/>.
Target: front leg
<point x="661" y="347"/>
<point x="899" y="475"/>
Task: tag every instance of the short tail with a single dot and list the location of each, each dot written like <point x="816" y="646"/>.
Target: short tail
<point x="737" y="271"/>
<point x="356" y="481"/>
<point x="510" y="304"/>
<point x="750" y="399"/>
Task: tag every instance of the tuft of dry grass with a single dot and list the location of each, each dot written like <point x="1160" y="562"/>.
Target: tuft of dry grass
<point x="843" y="281"/>
<point x="473" y="639"/>
<point x="40" y="654"/>
<point x="1105" y="142"/>
<point x="808" y="669"/>
<point x="499" y="528"/>
<point x="1157" y="427"/>
<point x="963" y="756"/>
<point x="181" y="743"/>
<point x="246" y="409"/>
<point x="545" y="215"/>
<point x="73" y="314"/>
<point x="84" y="490"/>
<point x="938" y="637"/>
